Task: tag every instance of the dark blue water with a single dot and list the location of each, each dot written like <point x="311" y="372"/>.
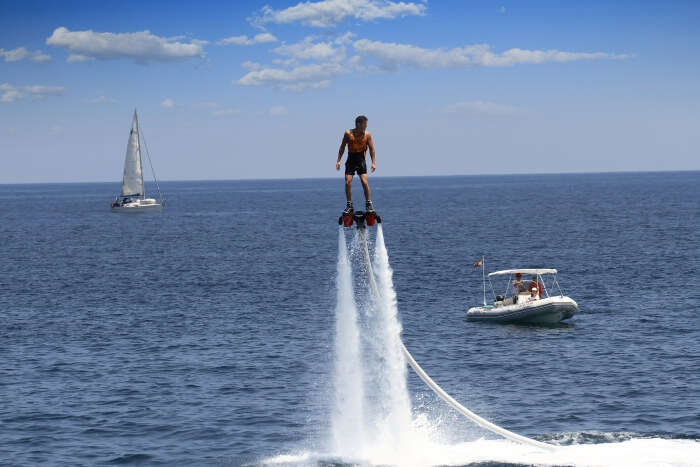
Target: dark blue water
<point x="203" y="335"/>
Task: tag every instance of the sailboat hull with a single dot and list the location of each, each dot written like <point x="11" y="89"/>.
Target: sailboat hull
<point x="137" y="209"/>
<point x="138" y="206"/>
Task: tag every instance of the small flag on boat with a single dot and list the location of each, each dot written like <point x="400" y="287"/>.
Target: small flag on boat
<point x="479" y="263"/>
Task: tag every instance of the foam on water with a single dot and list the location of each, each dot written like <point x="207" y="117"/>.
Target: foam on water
<point x="634" y="452"/>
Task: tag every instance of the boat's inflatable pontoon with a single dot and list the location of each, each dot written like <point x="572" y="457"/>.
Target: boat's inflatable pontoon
<point x="543" y="311"/>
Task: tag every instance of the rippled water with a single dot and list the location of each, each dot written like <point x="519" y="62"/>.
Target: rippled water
<point x="204" y="335"/>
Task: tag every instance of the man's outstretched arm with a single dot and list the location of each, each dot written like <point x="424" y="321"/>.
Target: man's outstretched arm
<point x="341" y="151"/>
<point x="370" y="143"/>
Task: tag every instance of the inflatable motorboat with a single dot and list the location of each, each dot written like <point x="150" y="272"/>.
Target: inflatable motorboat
<point x="526" y="302"/>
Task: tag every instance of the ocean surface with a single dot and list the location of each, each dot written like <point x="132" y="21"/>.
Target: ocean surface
<point x="204" y="335"/>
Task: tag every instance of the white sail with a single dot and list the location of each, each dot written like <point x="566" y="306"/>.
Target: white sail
<point x="132" y="184"/>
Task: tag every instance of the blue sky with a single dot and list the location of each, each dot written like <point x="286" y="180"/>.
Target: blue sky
<point x="229" y="90"/>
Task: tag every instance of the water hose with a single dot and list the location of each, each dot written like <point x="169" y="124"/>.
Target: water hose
<point x="434" y="386"/>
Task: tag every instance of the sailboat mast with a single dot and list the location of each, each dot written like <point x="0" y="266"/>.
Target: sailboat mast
<point x="138" y="151"/>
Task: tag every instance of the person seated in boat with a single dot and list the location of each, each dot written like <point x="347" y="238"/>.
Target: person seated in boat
<point x="533" y="294"/>
<point x="537" y="284"/>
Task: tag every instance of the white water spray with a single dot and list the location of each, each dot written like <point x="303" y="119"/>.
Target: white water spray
<point x="347" y="424"/>
<point x="369" y="369"/>
<point x="371" y="418"/>
<point x="393" y="388"/>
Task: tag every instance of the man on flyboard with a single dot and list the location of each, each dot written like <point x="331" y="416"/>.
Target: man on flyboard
<point x="357" y="140"/>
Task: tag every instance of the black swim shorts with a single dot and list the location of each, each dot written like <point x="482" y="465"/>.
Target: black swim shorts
<point x="355" y="163"/>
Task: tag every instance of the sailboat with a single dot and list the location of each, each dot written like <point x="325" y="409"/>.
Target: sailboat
<point x="133" y="195"/>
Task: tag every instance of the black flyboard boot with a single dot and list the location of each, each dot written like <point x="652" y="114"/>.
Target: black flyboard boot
<point x="348" y="209"/>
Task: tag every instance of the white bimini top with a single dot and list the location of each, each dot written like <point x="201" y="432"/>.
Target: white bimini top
<point x="523" y="271"/>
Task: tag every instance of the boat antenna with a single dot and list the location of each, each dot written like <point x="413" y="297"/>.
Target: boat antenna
<point x="483" y="276"/>
<point x="148" y="154"/>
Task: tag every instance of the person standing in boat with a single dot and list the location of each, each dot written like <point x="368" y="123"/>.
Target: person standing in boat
<point x="357" y="140"/>
<point x="518" y="286"/>
<point x="518" y="283"/>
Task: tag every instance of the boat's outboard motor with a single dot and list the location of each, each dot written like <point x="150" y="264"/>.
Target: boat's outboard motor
<point x="500" y="298"/>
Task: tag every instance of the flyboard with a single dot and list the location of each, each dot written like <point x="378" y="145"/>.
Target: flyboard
<point x="362" y="220"/>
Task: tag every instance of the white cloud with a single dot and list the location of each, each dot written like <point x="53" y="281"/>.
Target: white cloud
<point x="142" y="47"/>
<point x="226" y="112"/>
<point x="301" y="77"/>
<point x="308" y="49"/>
<point x="278" y="111"/>
<point x="101" y="100"/>
<point x="262" y="38"/>
<point x="482" y="109"/>
<point x="77" y="58"/>
<point x="168" y="103"/>
<point x="288" y="62"/>
<point x="310" y="64"/>
<point x="40" y="57"/>
<point x="14" y="55"/>
<point x="20" y="53"/>
<point x="11" y="93"/>
<point x="392" y="55"/>
<point x="248" y="65"/>
<point x="328" y="59"/>
<point x="303" y="86"/>
<point x="327" y="13"/>
<point x="345" y="38"/>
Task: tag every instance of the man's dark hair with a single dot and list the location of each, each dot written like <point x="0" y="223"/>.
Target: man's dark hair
<point x="360" y="119"/>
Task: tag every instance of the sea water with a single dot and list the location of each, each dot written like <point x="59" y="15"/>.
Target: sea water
<point x="207" y="334"/>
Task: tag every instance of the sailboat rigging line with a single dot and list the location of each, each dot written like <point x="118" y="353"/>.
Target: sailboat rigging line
<point x="148" y="154"/>
<point x="432" y="384"/>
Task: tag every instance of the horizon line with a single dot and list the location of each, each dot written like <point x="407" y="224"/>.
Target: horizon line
<point x="253" y="179"/>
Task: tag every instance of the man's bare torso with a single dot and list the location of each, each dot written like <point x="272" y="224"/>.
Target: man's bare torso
<point x="356" y="141"/>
